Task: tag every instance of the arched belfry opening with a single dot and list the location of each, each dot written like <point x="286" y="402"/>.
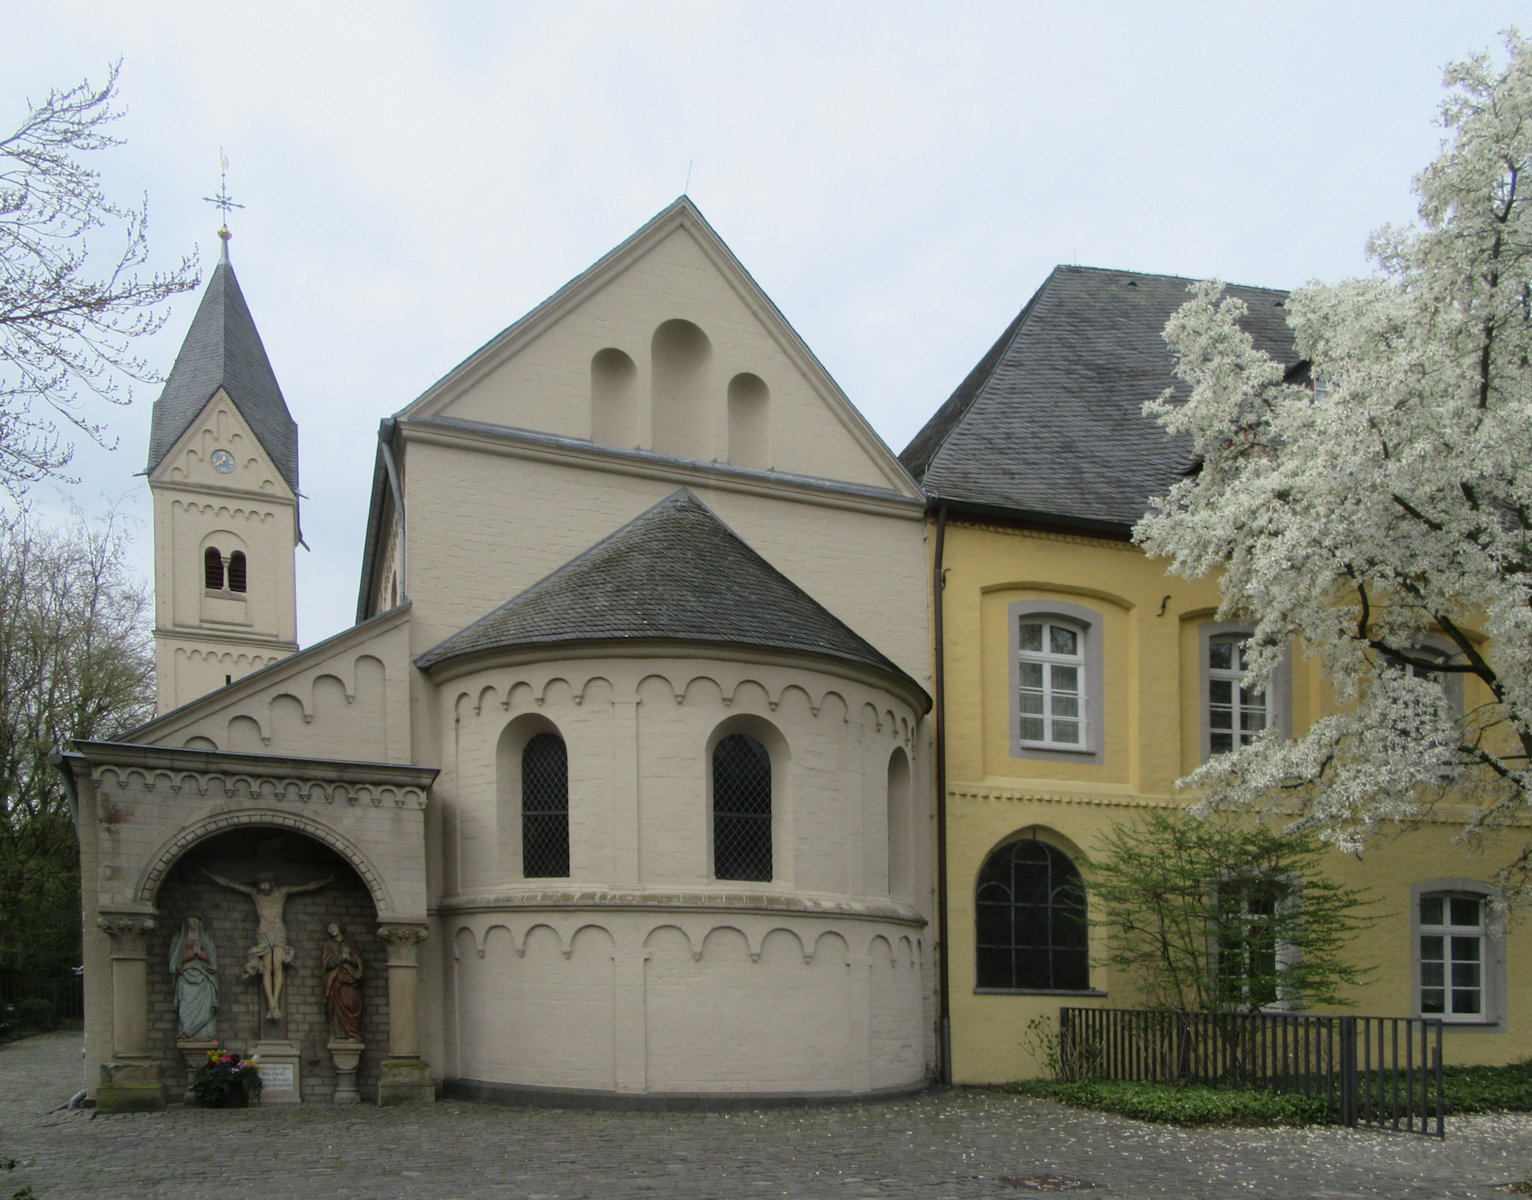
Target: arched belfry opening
<point x="311" y="888"/>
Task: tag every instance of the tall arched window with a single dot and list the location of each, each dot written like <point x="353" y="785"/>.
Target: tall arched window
<point x="1030" y="918"/>
<point x="901" y="859"/>
<point x="212" y="569"/>
<point x="237" y="571"/>
<point x="741" y="809"/>
<point x="545" y="808"/>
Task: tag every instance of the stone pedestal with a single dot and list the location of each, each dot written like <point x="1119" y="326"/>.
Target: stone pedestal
<point x="346" y="1054"/>
<point x="130" y="1086"/>
<point x="280" y="1071"/>
<point x="194" y="1055"/>
<point x="406" y="1081"/>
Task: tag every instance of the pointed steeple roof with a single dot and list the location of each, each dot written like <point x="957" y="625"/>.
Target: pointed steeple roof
<point x="673" y="573"/>
<point x="223" y="349"/>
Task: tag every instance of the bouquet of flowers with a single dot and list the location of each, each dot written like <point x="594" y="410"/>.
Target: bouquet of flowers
<point x="214" y="1081"/>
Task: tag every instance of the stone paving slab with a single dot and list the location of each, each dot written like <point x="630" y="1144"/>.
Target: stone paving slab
<point x="957" y="1143"/>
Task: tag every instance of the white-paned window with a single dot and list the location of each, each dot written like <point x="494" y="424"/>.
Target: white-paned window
<point x="1451" y="946"/>
<point x="1051" y="683"/>
<point x="1236" y="713"/>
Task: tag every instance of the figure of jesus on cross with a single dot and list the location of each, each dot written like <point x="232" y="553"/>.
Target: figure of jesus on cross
<point x="271" y="952"/>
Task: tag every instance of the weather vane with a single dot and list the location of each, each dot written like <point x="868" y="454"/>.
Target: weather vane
<point x="221" y="201"/>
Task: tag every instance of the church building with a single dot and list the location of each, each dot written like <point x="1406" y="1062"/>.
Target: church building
<point x="620" y="785"/>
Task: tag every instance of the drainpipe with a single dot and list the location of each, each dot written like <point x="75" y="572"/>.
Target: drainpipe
<point x="944" y="1007"/>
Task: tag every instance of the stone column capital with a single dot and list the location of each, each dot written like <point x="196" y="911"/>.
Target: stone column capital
<point x="125" y="925"/>
<point x="403" y="942"/>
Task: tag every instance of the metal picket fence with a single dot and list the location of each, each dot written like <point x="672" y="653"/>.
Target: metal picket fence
<point x="1384" y="1072"/>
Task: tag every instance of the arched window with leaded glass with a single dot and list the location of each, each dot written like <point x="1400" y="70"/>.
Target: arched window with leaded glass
<point x="741" y="809"/>
<point x="545" y="808"/>
<point x="1031" y="928"/>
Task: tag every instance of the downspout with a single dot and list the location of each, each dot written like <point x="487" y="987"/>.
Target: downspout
<point x="386" y="447"/>
<point x="944" y="1005"/>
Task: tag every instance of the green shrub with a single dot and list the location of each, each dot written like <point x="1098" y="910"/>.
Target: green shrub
<point x="1488" y="1089"/>
<point x="36" y="1015"/>
<point x="1465" y="1089"/>
<point x="1189" y="1105"/>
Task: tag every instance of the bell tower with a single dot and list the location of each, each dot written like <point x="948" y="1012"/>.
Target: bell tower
<point x="223" y="470"/>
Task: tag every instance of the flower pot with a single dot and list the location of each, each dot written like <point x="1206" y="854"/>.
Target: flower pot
<point x="236" y="1098"/>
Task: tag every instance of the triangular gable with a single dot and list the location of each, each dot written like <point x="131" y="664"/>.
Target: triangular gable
<point x="221" y="425"/>
<point x="346" y="697"/>
<point x="673" y="573"/>
<point x="543" y="374"/>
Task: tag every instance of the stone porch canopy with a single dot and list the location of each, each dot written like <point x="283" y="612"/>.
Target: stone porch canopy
<point x="152" y="804"/>
<point x="138" y="809"/>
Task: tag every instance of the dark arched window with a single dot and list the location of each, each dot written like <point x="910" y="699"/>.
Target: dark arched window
<point x="1031" y="928"/>
<point x="545" y="808"/>
<point x="237" y="571"/>
<point x="212" y="569"/>
<point x="741" y="809"/>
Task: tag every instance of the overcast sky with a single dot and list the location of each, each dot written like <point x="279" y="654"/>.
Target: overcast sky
<point x="899" y="178"/>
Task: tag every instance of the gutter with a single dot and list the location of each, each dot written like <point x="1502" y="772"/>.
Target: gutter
<point x="944" y="995"/>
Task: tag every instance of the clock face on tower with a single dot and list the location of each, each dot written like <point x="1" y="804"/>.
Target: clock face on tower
<point x="223" y="461"/>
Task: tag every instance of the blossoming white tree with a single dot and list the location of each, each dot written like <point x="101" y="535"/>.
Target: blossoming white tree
<point x="1375" y="509"/>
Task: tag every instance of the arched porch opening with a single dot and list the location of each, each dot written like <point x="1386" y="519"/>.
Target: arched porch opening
<point x="294" y="862"/>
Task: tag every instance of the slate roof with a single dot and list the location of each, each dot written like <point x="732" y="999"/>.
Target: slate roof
<point x="1049" y="424"/>
<point x="223" y="349"/>
<point x="673" y="573"/>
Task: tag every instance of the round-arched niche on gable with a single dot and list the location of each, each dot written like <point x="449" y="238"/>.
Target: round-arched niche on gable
<point x="613" y="400"/>
<point x="680" y="391"/>
<point x="749" y="422"/>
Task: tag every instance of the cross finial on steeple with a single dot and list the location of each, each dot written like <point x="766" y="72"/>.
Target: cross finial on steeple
<point x="223" y="202"/>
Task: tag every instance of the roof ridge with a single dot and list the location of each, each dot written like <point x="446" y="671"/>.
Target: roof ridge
<point x="1249" y="287"/>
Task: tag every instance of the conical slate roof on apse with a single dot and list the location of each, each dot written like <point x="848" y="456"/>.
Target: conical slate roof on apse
<point x="223" y="349"/>
<point x="675" y="572"/>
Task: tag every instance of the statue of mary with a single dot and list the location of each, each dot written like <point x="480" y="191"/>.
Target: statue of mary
<point x="194" y="963"/>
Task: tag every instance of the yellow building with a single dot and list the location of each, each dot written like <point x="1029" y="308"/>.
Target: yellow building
<point x="1078" y="681"/>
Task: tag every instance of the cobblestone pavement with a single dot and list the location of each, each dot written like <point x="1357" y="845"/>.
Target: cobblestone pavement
<point x="955" y="1143"/>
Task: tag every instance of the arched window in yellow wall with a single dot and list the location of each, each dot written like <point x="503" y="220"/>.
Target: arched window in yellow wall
<point x="1031" y="931"/>
<point x="212" y="569"/>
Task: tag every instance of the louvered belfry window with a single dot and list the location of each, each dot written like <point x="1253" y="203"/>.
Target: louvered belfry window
<point x="545" y="808"/>
<point x="741" y="809"/>
<point x="237" y="571"/>
<point x="212" y="569"/>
